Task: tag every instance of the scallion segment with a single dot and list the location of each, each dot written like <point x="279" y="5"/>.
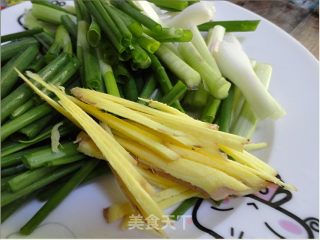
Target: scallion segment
<point x="138" y="16"/>
<point x="18" y="35"/>
<point x="24" y="179"/>
<point x="9" y="197"/>
<point x="10" y="49"/>
<point x="210" y="110"/>
<point x="179" y="67"/>
<point x="171" y="5"/>
<point x="183" y="208"/>
<point x="9" y="77"/>
<point x="41" y="157"/>
<point x="231" y="26"/>
<point x="175" y="93"/>
<point x="58" y="197"/>
<point x="16" y="124"/>
<point x="94" y="34"/>
<point x="225" y="113"/>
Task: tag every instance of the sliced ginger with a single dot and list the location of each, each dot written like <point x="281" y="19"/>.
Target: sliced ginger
<point x="184" y="157"/>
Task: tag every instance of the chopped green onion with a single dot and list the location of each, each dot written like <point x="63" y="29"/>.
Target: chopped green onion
<point x="24" y="179"/>
<point x="69" y="25"/>
<point x="9" y="149"/>
<point x="200" y="97"/>
<point x="16" y="124"/>
<point x="11" y="49"/>
<point x="9" y="77"/>
<point x="65" y="160"/>
<point x="246" y="122"/>
<point x="36" y="127"/>
<point x="148" y="43"/>
<point x="175" y="93"/>
<point x="216" y="84"/>
<point x="120" y="23"/>
<point x="54" y="6"/>
<point x="182" y="208"/>
<point x="172" y="35"/>
<point x="210" y="110"/>
<point x="231" y="26"/>
<point x="18" y="35"/>
<point x="138" y="16"/>
<point x="48" y="14"/>
<point x="37" y="64"/>
<point x="163" y="79"/>
<point x="171" y="5"/>
<point x="108" y="77"/>
<point x="45" y="39"/>
<point x="225" y="113"/>
<point x="58" y="197"/>
<point x="94" y="34"/>
<point x="148" y="89"/>
<point x="9" y="171"/>
<point x="140" y="58"/>
<point x="106" y="23"/>
<point x="9" y="197"/>
<point x="179" y="67"/>
<point x="41" y="157"/>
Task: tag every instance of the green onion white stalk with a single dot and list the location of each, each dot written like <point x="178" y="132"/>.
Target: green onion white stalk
<point x="148" y="10"/>
<point x="236" y="66"/>
<point x="48" y="14"/>
<point x="216" y="85"/>
<point x="215" y="36"/>
<point x="180" y="68"/>
<point x="195" y="14"/>
<point x="246" y="122"/>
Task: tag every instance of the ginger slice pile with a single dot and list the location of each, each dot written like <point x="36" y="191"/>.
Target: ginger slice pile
<point x="157" y="147"/>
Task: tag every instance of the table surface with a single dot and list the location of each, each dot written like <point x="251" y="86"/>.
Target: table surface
<point x="300" y="18"/>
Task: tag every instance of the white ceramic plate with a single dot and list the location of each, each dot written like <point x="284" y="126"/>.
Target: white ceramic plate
<point x="293" y="151"/>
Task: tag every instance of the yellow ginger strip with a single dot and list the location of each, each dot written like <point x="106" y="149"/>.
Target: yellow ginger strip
<point x="217" y="161"/>
<point x="170" y="192"/>
<point x="215" y="183"/>
<point x="109" y="148"/>
<point x="255" y="146"/>
<point x="93" y="98"/>
<point x="204" y="131"/>
<point x="205" y="136"/>
<point x="164" y="107"/>
<point x="50" y="101"/>
<point x="213" y="149"/>
<point x="166" y="203"/>
<point x="165" y="199"/>
<point x="157" y="180"/>
<point x="248" y="160"/>
<point x="181" y="141"/>
<point x="88" y="147"/>
<point x="108" y="103"/>
<point x="131" y="131"/>
<point x="260" y="168"/>
<point x="138" y="107"/>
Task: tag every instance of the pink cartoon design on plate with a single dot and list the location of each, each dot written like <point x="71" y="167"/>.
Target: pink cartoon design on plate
<point x="262" y="213"/>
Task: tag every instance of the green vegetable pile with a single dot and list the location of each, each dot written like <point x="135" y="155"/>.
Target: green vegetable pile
<point x="121" y="48"/>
